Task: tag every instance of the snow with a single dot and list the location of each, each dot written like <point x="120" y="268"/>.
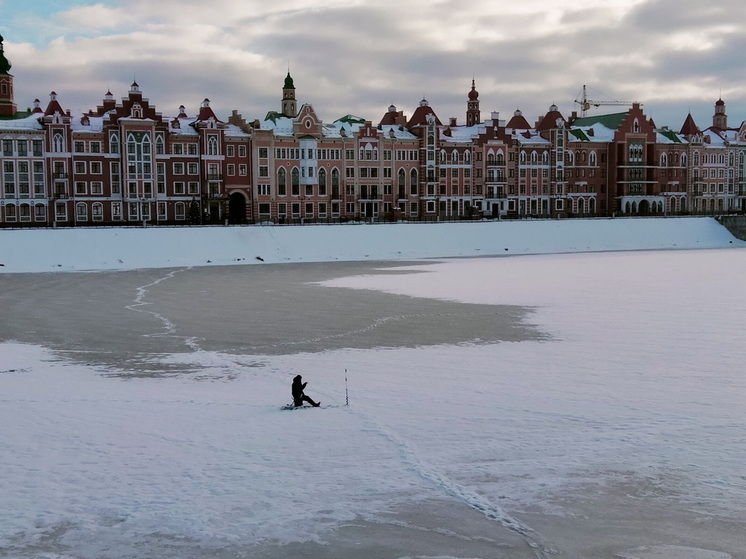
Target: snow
<point x="80" y="249"/>
<point x="636" y="382"/>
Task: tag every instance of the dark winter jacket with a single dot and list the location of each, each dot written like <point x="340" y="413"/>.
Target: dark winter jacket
<point x="298" y="387"/>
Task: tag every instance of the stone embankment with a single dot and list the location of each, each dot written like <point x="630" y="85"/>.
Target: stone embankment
<point x="736" y="224"/>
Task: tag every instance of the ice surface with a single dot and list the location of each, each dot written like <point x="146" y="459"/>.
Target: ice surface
<point x="611" y="426"/>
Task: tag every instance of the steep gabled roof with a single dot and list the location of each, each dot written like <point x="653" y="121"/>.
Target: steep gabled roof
<point x="689" y="128"/>
<point x="419" y="118"/>
<point x="518" y="122"/>
<point x="550" y="119"/>
<point x="54" y="106"/>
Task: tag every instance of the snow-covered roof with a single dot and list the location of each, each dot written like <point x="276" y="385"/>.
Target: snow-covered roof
<point x="666" y="136"/>
<point x="30" y="123"/>
<point x="464" y="134"/>
<point x="596" y="132"/>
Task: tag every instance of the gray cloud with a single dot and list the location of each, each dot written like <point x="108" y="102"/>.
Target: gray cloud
<point x="360" y="56"/>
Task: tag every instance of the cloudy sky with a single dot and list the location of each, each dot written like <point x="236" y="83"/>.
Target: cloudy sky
<point x="360" y="56"/>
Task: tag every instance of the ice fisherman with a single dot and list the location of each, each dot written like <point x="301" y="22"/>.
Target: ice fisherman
<point x="298" y="396"/>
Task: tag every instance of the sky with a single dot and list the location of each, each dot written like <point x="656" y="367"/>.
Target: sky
<point x="360" y="56"/>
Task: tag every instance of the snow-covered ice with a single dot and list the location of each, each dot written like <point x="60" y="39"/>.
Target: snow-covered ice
<point x="615" y="431"/>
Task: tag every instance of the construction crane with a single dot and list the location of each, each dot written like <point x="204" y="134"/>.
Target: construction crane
<point x="586" y="104"/>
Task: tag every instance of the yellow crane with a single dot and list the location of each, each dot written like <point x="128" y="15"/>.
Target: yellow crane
<point x="586" y="104"/>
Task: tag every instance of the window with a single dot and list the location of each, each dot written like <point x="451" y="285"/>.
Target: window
<point x="281" y="182"/>
<point x="180" y="210"/>
<point x="230" y="151"/>
<point x="212" y="145"/>
<point x="263" y="153"/>
<point x="58" y="142"/>
<point x="295" y="185"/>
<point x="97" y="187"/>
<point x="322" y="182"/>
<point x="96" y="168"/>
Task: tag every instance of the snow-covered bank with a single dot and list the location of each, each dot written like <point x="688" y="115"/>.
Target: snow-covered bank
<point x="46" y="250"/>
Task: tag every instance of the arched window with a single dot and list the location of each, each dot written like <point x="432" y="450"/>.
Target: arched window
<point x="664" y="160"/>
<point x="523" y="158"/>
<point x="282" y="185"/>
<point x="335" y="183"/>
<point x="97" y="211"/>
<point x="592" y="159"/>
<point x="212" y="145"/>
<point x="684" y="159"/>
<point x="442" y="156"/>
<point x="114" y="143"/>
<point x="139" y="154"/>
<point x="322" y="182"/>
<point x="159" y="145"/>
<point x="295" y="178"/>
<point x="534" y="158"/>
<point x="402" y="183"/>
<point x="81" y="212"/>
<point x="454" y="157"/>
<point x="500" y="158"/>
<point x="413" y="182"/>
<point x="180" y="210"/>
<point x="467" y="156"/>
<point x="695" y="159"/>
<point x="58" y="142"/>
<point x="490" y="158"/>
<point x="570" y="158"/>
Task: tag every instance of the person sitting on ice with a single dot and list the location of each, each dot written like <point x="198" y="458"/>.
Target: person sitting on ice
<point x="298" y="396"/>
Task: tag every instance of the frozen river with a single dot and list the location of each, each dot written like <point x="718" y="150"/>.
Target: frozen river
<point x="581" y="406"/>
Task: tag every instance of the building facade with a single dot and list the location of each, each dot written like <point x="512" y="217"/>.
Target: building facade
<point x="126" y="163"/>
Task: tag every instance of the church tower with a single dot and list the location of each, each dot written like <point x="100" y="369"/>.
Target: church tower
<point x="289" y="108"/>
<point x="473" y="116"/>
<point x="720" y="119"/>
<point x="7" y="106"/>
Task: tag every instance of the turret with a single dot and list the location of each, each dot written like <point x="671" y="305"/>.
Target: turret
<point x="473" y="116"/>
<point x="289" y="107"/>
<point x="7" y="105"/>
<point x="720" y="119"/>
